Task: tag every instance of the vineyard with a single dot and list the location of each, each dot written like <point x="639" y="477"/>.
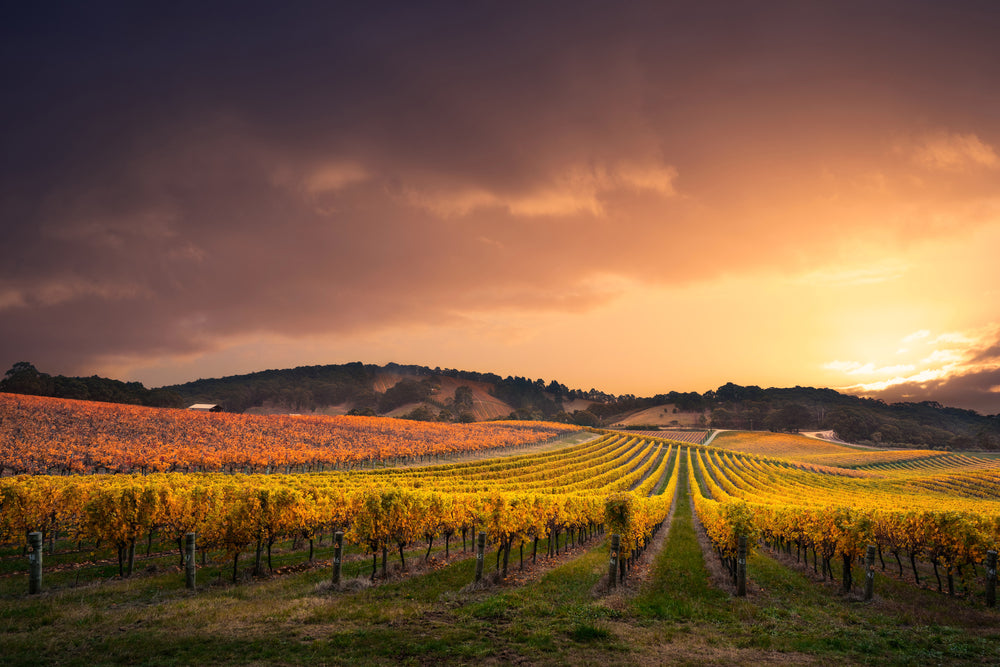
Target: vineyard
<point x="575" y="535"/>
<point x="48" y="435"/>
<point x="693" y="437"/>
<point x="952" y="520"/>
<point x="512" y="500"/>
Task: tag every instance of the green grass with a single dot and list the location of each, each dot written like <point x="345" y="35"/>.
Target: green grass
<point x="91" y="565"/>
<point x="679" y="589"/>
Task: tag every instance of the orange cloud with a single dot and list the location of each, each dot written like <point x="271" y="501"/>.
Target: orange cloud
<point x="958" y="370"/>
<point x="953" y="151"/>
<point x="55" y="292"/>
<point x="335" y="176"/>
<point x="577" y="189"/>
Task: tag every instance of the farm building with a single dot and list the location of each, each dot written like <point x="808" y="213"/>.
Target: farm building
<point x="205" y="407"/>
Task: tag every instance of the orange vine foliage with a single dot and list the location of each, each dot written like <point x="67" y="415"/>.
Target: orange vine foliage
<point x="510" y="498"/>
<point x="49" y="435"/>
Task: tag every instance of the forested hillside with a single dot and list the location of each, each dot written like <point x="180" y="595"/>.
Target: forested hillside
<point x="450" y="395"/>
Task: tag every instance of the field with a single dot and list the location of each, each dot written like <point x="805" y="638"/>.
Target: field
<point x="788" y="445"/>
<point x="415" y="589"/>
<point x="40" y="435"/>
<point x="663" y="415"/>
<point x="693" y="436"/>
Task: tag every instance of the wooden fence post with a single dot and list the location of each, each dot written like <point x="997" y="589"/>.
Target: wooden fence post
<point x="741" y="567"/>
<point x="338" y="552"/>
<point x="130" y="567"/>
<point x="189" y="560"/>
<point x="613" y="561"/>
<point x="870" y="572"/>
<point x="991" y="578"/>
<point x="480" y="554"/>
<point x="34" y="563"/>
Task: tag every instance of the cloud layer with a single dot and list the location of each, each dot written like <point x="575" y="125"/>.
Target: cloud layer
<point x="178" y="178"/>
<point x="956" y="369"/>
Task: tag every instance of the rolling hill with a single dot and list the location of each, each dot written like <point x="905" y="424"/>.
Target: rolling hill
<point x="423" y="393"/>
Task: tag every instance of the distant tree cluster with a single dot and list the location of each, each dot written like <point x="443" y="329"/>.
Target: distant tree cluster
<point x="854" y="419"/>
<point x="24" y="378"/>
<point x="299" y="389"/>
<point x="529" y="398"/>
<point x="406" y="391"/>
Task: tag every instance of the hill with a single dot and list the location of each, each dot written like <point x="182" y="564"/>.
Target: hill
<point x="423" y="393"/>
<point x="415" y="392"/>
<point x="663" y="415"/>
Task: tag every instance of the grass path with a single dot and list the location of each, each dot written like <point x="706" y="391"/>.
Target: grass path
<point x="679" y="588"/>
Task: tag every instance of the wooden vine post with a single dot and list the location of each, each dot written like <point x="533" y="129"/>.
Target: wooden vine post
<point x="34" y="563"/>
<point x="613" y="561"/>
<point x="870" y="572"/>
<point x="991" y="578"/>
<point x="338" y="552"/>
<point x="480" y="554"/>
<point x="190" y="564"/>
<point x="741" y="567"/>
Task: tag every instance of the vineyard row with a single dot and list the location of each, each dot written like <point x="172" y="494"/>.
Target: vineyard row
<point x="237" y="513"/>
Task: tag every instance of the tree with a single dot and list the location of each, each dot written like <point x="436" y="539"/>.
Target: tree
<point x="463" y="401"/>
<point x="734" y="393"/>
<point x="403" y="392"/>
<point x="852" y="424"/>
<point x="791" y="417"/>
<point x="722" y="418"/>
<point x="420" y="413"/>
<point x="557" y="389"/>
<point x="24" y="378"/>
<point x="585" y="418"/>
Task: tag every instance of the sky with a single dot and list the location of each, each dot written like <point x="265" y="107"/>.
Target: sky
<point x="634" y="197"/>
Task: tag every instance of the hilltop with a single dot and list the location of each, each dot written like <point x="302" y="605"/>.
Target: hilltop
<point x="395" y="390"/>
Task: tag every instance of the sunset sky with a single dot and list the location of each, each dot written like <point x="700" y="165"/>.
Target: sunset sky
<point x="633" y="197"/>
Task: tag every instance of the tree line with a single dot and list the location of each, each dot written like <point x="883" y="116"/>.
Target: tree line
<point x="302" y="389"/>
<point x="24" y="378"/>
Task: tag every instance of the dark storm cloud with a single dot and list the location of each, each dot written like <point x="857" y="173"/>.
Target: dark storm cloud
<point x="990" y="354"/>
<point x="977" y="389"/>
<point x="176" y="174"/>
<point x="972" y="382"/>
